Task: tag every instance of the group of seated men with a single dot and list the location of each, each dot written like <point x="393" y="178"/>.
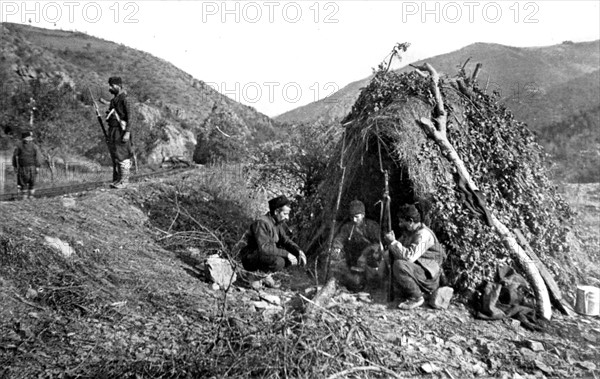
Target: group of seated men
<point x="358" y="254"/>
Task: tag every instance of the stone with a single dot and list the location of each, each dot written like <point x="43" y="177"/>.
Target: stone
<point x="219" y="271"/>
<point x="479" y="370"/>
<point x="587" y="365"/>
<point x="62" y="247"/>
<point x="270" y="298"/>
<point x="31" y="294"/>
<point x="429" y="368"/>
<point x="269" y="282"/>
<point x="534" y="345"/>
<point x="269" y="315"/>
<point x="515" y="324"/>
<point x="347" y="298"/>
<point x="527" y="354"/>
<point x="264" y="305"/>
<point x="68" y="202"/>
<point x="440" y="298"/>
<point x="261" y="305"/>
<point x="544" y="367"/>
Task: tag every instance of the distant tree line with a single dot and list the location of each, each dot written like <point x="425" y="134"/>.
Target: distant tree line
<point x="574" y="146"/>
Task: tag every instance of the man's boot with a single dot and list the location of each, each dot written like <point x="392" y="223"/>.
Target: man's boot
<point x="116" y="174"/>
<point x="20" y="193"/>
<point x="124" y="169"/>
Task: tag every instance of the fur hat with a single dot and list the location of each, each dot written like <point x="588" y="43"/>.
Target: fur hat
<point x="26" y="135"/>
<point x="409" y="212"/>
<point x="115" y="80"/>
<point x="356" y="207"/>
<point x="278" y="202"/>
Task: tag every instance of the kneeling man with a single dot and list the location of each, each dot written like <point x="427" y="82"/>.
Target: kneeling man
<point x="268" y="247"/>
<point x="418" y="257"/>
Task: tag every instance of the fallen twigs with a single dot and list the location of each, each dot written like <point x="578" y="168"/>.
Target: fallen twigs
<point x="20" y="298"/>
<point x="383" y="370"/>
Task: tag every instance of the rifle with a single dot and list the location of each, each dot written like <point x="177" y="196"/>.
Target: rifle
<point x="99" y="117"/>
<point x="386" y="227"/>
<point x="337" y="208"/>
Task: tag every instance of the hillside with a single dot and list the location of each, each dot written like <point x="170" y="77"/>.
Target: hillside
<point x="574" y="144"/>
<point x="560" y="101"/>
<point x="542" y="86"/>
<point x="174" y="101"/>
<point x="128" y="298"/>
<point x="521" y="75"/>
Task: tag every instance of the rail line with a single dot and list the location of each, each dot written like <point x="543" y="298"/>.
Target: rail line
<point x="88" y="186"/>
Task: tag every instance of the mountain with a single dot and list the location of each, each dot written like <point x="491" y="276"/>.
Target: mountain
<point x="560" y="101"/>
<point x="574" y="144"/>
<point x="554" y="89"/>
<point x="531" y="80"/>
<point x="171" y="104"/>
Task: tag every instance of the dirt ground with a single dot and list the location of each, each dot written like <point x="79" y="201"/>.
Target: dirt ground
<point x="110" y="284"/>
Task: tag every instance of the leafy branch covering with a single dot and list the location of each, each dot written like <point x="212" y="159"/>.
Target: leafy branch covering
<point x="500" y="152"/>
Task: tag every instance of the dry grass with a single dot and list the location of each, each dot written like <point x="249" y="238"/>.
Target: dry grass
<point x="128" y="304"/>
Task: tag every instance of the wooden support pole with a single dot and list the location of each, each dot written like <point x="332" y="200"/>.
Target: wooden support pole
<point x="435" y="128"/>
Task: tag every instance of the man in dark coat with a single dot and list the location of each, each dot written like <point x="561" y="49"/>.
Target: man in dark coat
<point x="119" y="133"/>
<point x="26" y="160"/>
<point x="268" y="247"/>
<point x="418" y="257"/>
<point x="355" y="248"/>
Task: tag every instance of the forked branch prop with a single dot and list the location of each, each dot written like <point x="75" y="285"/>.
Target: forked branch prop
<point x="435" y="128"/>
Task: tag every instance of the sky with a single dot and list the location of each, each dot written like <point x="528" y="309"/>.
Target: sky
<point x="278" y="55"/>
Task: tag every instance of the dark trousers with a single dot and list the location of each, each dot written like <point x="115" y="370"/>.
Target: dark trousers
<point x="411" y="279"/>
<point x="267" y="263"/>
<point x="26" y="177"/>
<point x="119" y="150"/>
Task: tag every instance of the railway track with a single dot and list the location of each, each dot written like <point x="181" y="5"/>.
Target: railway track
<point x="88" y="186"/>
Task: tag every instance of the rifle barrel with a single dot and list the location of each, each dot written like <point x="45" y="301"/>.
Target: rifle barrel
<point x="99" y="117"/>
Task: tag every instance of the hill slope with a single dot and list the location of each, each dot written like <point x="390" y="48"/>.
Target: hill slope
<point x="543" y="86"/>
<point x="521" y="75"/>
<point x="131" y="300"/>
<point x="166" y="96"/>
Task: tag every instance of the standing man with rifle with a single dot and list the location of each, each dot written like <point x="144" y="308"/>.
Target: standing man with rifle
<point x="119" y="133"/>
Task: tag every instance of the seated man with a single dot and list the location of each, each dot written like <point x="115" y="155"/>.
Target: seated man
<point x="359" y="240"/>
<point x="268" y="248"/>
<point x="418" y="257"/>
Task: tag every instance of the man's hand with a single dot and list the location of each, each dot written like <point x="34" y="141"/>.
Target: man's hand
<point x="302" y="258"/>
<point x="335" y="252"/>
<point x="126" y="137"/>
<point x="389" y="237"/>
<point x="37" y="170"/>
<point x="123" y="125"/>
<point x="292" y="258"/>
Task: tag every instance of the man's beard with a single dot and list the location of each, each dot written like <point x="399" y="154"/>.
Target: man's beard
<point x="113" y="91"/>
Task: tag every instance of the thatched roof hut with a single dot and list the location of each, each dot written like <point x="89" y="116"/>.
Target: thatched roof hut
<point x="383" y="132"/>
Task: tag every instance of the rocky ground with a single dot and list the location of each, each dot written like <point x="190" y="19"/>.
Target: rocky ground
<point x="111" y="284"/>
